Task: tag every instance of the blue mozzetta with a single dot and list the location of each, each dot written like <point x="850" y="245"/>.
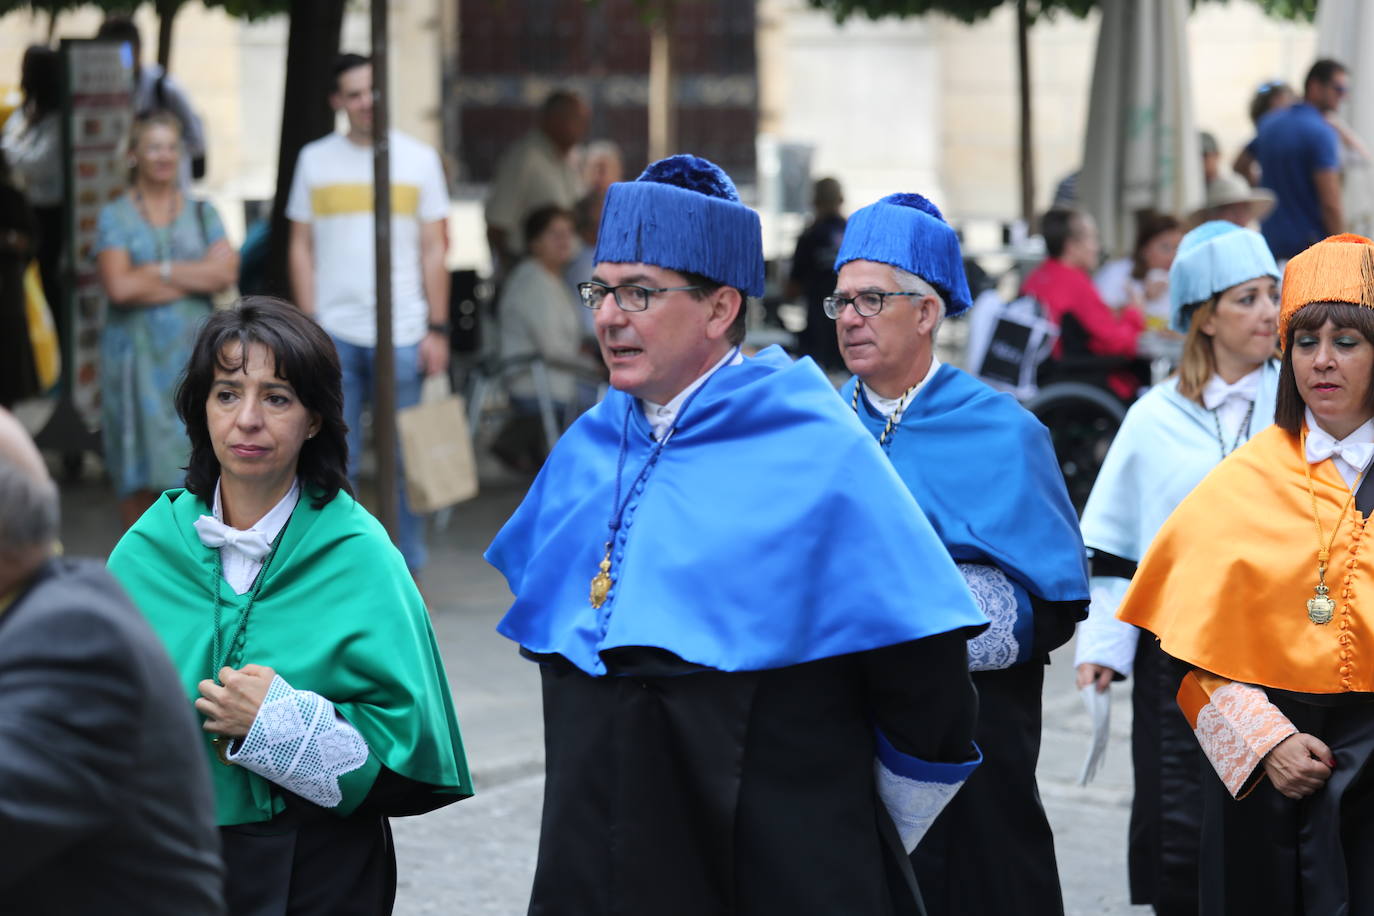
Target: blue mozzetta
<point x="684" y="214"/>
<point x="771" y="474"/>
<point x="958" y="430"/>
<point x="1211" y="259"/>
<point x="908" y="231"/>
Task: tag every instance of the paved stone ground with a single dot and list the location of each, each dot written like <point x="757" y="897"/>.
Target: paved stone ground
<point x="476" y="858"/>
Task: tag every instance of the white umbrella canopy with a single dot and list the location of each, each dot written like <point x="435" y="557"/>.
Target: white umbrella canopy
<point x="1141" y="147"/>
<point x="1344" y="29"/>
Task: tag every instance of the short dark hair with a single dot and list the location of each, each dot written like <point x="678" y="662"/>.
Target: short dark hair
<point x="1058" y="226"/>
<point x="120" y="28"/>
<point x="707" y="287"/>
<point x="345" y="62"/>
<point x="539" y="220"/>
<point x="1149" y="224"/>
<point x="41" y="79"/>
<point x="1323" y="71"/>
<point x="1289" y="408"/>
<point x="559" y="101"/>
<point x="305" y="357"/>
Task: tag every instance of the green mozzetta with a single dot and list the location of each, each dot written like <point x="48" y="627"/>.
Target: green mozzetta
<point x="338" y="614"/>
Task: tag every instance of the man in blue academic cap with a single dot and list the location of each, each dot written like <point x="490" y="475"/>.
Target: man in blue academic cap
<point x="745" y="710"/>
<point x="984" y="472"/>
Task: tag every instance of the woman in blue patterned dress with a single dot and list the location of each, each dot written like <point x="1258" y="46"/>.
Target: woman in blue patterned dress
<point x="161" y="256"/>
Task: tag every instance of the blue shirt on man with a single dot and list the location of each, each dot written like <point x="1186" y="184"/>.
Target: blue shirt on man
<point x="1292" y="145"/>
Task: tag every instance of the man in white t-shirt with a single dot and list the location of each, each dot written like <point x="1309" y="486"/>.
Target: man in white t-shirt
<point x="332" y="260"/>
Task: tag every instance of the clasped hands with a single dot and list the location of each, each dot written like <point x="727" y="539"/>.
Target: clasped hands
<point x="230" y="706"/>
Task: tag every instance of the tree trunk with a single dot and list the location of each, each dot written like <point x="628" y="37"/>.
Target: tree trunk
<point x="166" y="12"/>
<point x="384" y="363"/>
<point x="311" y="47"/>
<point x="662" y="110"/>
<point x="1027" y="135"/>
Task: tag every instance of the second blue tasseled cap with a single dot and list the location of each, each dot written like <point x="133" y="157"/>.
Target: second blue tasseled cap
<point x="684" y="214"/>
<point x="908" y="231"/>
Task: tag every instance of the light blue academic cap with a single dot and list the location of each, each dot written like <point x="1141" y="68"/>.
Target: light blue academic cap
<point x="1212" y="258"/>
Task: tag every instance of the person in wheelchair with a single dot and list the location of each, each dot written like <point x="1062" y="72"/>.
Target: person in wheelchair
<point x="1223" y="287"/>
<point x="1097" y="344"/>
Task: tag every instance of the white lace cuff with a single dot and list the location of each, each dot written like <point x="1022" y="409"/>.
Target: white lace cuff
<point x="300" y="742"/>
<point x="1102" y="639"/>
<point x="1236" y="729"/>
<point x="998" y="646"/>
<point x="915" y="791"/>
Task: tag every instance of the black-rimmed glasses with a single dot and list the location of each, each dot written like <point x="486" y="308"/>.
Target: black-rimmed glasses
<point x="628" y="296"/>
<point x="866" y="304"/>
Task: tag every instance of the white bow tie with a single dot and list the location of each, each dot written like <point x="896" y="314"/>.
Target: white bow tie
<point x="1218" y="392"/>
<point x="214" y="533"/>
<point x="1320" y="446"/>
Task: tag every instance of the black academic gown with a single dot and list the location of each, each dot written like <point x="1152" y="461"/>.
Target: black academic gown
<point x="676" y="790"/>
<point x="998" y="812"/>
<point x="1170" y="769"/>
<point x="1266" y="853"/>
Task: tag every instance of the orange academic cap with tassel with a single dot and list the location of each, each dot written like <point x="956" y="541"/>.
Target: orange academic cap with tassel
<point x="1336" y="269"/>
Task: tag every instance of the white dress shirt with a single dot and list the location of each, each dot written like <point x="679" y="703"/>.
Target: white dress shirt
<point x="240" y="568"/>
<point x="1350" y="455"/>
<point x="662" y="416"/>
<point x="885" y="406"/>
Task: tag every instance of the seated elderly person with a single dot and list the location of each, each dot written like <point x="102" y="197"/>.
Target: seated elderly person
<point x="539" y="316"/>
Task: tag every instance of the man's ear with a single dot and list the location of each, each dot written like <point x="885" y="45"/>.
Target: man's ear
<point x="725" y="304"/>
<point x="929" y="315"/>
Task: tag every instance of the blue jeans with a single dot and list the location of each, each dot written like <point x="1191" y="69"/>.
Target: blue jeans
<point x="358" y="389"/>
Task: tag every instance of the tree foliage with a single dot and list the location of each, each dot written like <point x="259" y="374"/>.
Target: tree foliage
<point x="970" y="11"/>
<point x="963" y="10"/>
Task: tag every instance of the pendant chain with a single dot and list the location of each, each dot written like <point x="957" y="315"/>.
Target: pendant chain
<point x="1242" y="433"/>
<point x="219" y="656"/>
<point x="602" y="581"/>
<point x="893" y="418"/>
<point x="1324" y="544"/>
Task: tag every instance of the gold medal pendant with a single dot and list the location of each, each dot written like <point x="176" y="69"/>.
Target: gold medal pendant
<point x="601" y="582"/>
<point x="1321" y="608"/>
<point x="222" y="744"/>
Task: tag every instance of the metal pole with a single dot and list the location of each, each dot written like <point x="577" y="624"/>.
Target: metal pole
<point x="384" y="365"/>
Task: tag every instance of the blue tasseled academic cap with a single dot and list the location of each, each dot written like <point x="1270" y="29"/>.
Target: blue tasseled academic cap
<point x="1212" y="258"/>
<point x="908" y="231"/>
<point x="684" y="214"/>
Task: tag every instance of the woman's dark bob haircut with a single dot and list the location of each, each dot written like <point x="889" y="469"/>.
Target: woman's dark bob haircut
<point x="1289" y="409"/>
<point x="305" y="358"/>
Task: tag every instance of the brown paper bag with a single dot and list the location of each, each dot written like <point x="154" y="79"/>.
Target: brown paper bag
<point x="436" y="449"/>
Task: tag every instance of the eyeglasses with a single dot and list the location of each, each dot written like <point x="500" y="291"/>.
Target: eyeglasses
<point x="866" y="304"/>
<point x="628" y="297"/>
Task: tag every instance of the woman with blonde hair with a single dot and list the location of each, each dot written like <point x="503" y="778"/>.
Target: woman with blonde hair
<point x="1224" y="298"/>
<point x="161" y="256"/>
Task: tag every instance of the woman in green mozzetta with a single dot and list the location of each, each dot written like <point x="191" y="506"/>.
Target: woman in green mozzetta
<point x="298" y="632"/>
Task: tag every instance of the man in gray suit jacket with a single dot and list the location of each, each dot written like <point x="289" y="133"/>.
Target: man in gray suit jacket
<point x="105" y="804"/>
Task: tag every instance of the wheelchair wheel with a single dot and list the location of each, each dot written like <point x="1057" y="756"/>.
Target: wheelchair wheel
<point x="1082" y="421"/>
